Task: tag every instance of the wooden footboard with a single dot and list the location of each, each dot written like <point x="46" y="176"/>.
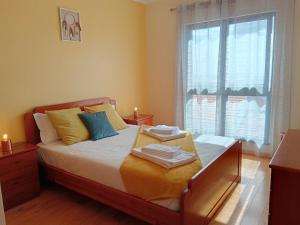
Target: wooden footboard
<point x="208" y="189"/>
<point x="206" y="192"/>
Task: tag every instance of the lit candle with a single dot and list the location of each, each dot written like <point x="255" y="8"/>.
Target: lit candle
<point x="135" y="112"/>
<point x="6" y="143"/>
<point x="5" y="137"/>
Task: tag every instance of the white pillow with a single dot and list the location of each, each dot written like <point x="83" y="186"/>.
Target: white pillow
<point x="48" y="133"/>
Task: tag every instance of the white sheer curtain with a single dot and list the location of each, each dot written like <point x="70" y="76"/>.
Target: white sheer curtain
<point x="234" y="70"/>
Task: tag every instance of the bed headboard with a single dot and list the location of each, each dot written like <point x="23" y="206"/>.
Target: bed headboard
<point x="32" y="133"/>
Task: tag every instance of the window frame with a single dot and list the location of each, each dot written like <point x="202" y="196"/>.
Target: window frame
<point x="221" y="93"/>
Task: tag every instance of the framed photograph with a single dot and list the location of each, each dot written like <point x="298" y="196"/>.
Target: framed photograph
<point x="70" y="25"/>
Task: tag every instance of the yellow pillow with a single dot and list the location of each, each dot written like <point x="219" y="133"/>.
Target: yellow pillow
<point x="68" y="125"/>
<point x="114" y="118"/>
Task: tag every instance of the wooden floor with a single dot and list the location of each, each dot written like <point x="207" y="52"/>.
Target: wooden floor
<point x="248" y="205"/>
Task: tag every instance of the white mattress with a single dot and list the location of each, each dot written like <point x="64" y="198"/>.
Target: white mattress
<point x="100" y="160"/>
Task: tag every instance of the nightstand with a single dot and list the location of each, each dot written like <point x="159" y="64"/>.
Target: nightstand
<point x="141" y="119"/>
<point x="19" y="175"/>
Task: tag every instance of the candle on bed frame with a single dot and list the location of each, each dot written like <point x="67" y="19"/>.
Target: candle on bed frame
<point x="135" y="112"/>
<point x="6" y="143"/>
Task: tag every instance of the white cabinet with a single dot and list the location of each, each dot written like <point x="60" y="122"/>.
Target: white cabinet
<point x="2" y="216"/>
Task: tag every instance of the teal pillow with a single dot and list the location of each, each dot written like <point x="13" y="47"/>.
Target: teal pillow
<point x="98" y="125"/>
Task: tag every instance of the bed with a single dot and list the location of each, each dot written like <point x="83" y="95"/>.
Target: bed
<point x="206" y="191"/>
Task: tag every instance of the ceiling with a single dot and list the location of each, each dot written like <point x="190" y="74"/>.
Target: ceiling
<point x="145" y="1"/>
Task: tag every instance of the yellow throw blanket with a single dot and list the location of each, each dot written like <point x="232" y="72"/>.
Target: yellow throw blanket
<point x="150" y="181"/>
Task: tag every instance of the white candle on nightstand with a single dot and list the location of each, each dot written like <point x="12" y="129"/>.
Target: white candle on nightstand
<point x="5" y="137"/>
<point x="135" y="112"/>
<point x="5" y="143"/>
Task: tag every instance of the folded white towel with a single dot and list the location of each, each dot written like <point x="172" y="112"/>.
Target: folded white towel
<point x="163" y="151"/>
<point x="165" y="130"/>
<point x="163" y="137"/>
<point x="181" y="159"/>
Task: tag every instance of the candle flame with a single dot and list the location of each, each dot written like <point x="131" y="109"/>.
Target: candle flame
<point x="135" y="109"/>
<point x="5" y="137"/>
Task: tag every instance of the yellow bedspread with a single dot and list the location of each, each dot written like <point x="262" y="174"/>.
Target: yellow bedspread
<point x="150" y="181"/>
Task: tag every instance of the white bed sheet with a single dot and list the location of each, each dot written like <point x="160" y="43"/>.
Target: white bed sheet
<point x="101" y="160"/>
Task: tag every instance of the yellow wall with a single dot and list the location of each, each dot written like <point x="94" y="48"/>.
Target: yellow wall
<point x="37" y="68"/>
<point x="161" y="43"/>
<point x="161" y="58"/>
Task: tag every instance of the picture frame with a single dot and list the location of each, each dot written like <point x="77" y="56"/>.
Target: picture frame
<point x="70" y="26"/>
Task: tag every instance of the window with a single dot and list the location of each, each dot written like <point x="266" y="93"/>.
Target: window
<point x="229" y="75"/>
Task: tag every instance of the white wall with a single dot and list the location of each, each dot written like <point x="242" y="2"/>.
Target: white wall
<point x="296" y="70"/>
<point x="161" y="44"/>
<point x="2" y="216"/>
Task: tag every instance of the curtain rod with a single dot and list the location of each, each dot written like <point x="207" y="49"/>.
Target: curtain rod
<point x="200" y="3"/>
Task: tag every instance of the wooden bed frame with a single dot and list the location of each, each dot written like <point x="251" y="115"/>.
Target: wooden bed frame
<point x="206" y="192"/>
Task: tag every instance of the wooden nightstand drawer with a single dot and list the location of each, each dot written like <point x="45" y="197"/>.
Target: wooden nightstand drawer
<point x="19" y="178"/>
<point x="16" y="195"/>
<point x="31" y="171"/>
<point x="17" y="163"/>
<point x="19" y="175"/>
